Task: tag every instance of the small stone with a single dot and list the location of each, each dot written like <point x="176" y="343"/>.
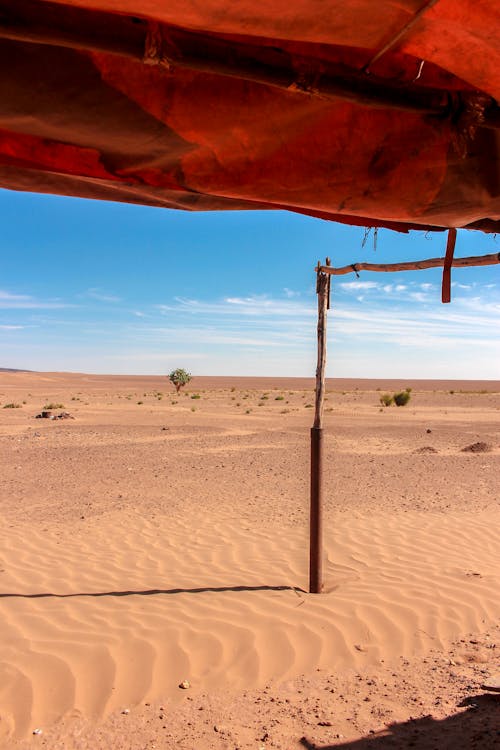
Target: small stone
<point x="37" y="731"/>
<point x="185" y="685"/>
<point x="325" y="724"/>
<point x="126" y="711"/>
<point x="493" y="684"/>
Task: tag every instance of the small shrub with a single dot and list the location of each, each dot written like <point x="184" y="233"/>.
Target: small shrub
<point x="193" y="408"/>
<point x="264" y="397"/>
<point x="174" y="402"/>
<point x="248" y="411"/>
<point x="12" y="405"/>
<point x="401" y="398"/>
<point x="308" y="406"/>
<point x="279" y="398"/>
<point x="51" y="406"/>
<point x="233" y="389"/>
<point x="479" y="447"/>
<point x="285" y="411"/>
<point x="238" y="404"/>
<point x="386" y="399"/>
<point x="196" y="395"/>
<point x="139" y="403"/>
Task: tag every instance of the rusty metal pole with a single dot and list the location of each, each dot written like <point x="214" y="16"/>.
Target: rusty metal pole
<point x="316" y="511"/>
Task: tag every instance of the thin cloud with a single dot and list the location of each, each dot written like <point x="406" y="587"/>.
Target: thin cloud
<point x="101" y="296"/>
<point x="10" y="301"/>
<point x="13" y="297"/>
<point x="252" y="306"/>
<point x="356" y="286"/>
<point x="290" y="294"/>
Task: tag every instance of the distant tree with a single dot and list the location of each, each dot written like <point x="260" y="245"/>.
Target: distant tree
<point x="179" y="378"/>
<point x="386" y="399"/>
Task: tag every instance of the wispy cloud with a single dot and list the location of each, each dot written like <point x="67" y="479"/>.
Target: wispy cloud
<point x="11" y="328"/>
<point x="402" y="327"/>
<point x="10" y="301"/>
<point x="252" y="306"/>
<point x="356" y="286"/>
<point x="101" y="296"/>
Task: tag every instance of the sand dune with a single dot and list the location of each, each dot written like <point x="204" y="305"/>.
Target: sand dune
<point x="135" y="557"/>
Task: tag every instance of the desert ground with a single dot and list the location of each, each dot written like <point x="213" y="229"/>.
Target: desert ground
<point x="154" y="565"/>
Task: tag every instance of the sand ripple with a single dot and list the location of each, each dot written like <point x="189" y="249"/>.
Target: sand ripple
<point x="122" y="612"/>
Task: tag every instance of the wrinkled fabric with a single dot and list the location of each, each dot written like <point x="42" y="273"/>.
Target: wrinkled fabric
<point x="97" y="124"/>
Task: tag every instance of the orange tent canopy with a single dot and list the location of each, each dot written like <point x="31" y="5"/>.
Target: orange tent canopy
<point x="373" y="113"/>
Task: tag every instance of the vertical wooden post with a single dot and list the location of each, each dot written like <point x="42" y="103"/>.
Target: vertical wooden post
<point x="316" y="511"/>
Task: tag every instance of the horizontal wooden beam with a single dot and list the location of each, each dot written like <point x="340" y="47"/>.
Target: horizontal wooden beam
<point x="412" y="265"/>
<point x="158" y="44"/>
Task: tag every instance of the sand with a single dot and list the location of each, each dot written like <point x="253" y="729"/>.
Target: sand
<point x="155" y="539"/>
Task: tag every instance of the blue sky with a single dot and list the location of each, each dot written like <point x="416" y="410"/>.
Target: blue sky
<point x="111" y="288"/>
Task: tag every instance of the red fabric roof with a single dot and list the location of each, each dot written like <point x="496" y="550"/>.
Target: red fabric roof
<point x="379" y="114"/>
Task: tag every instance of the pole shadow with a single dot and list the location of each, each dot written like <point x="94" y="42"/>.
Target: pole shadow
<point x="153" y="592"/>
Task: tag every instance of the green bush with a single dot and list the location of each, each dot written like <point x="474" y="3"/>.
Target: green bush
<point x="402" y="398"/>
<point x="196" y="395"/>
<point x="12" y="406"/>
<point x="279" y="398"/>
<point x="386" y="399"/>
<point x="49" y="407"/>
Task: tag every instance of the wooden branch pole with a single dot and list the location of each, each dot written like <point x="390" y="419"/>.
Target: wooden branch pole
<point x="413" y="265"/>
<point x="316" y="512"/>
<point x="448" y="262"/>
<point x="61" y="25"/>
